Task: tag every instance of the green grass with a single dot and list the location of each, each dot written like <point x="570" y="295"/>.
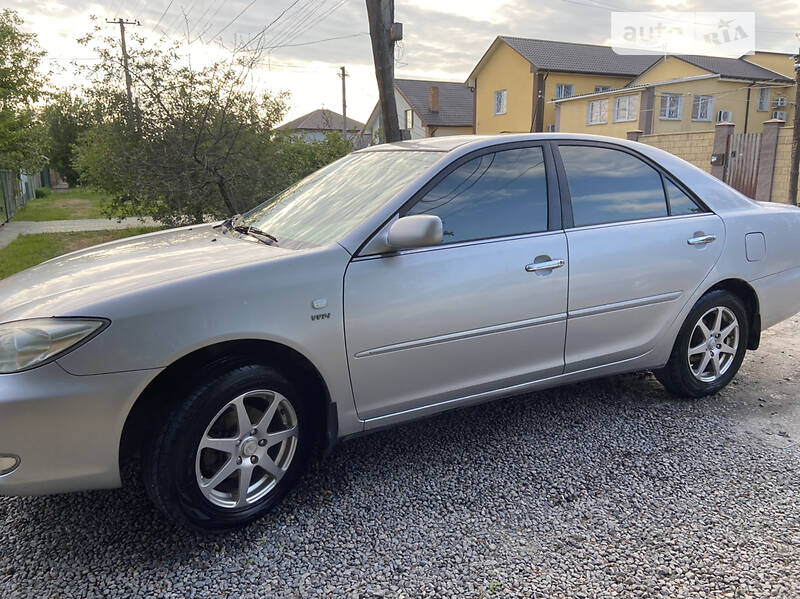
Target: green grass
<point x="29" y="250"/>
<point x="65" y="205"/>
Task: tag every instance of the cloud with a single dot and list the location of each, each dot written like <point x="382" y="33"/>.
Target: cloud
<point x="443" y="39"/>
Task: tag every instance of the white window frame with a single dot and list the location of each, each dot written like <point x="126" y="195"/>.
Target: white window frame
<point x="697" y="102"/>
<point x="602" y="88"/>
<point x="664" y="110"/>
<point x="631" y="106"/>
<point x="602" y="111"/>
<point x="561" y="87"/>
<point x="502" y="106"/>
<point x="764" y="99"/>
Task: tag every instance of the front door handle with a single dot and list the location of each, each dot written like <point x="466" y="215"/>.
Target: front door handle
<point x="539" y="266"/>
<point x="701" y="239"/>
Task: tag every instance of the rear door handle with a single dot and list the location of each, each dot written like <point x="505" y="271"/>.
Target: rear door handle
<point x="701" y="240"/>
<point x="539" y="266"/>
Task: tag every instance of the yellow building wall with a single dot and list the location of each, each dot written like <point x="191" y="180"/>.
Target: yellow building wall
<point x="669" y="68"/>
<point x="443" y="131"/>
<point x="574" y="113"/>
<point x="695" y="147"/>
<point x="757" y="117"/>
<point x="584" y="84"/>
<point x="780" y="63"/>
<point x="780" y="182"/>
<point x="504" y="69"/>
<point x="728" y="95"/>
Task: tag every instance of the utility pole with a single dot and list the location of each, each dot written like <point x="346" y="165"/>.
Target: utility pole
<point x="384" y="32"/>
<point x="795" y="164"/>
<point x="122" y="22"/>
<point x="343" y="74"/>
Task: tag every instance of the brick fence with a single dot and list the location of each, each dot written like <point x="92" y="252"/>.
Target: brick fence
<point x="697" y="147"/>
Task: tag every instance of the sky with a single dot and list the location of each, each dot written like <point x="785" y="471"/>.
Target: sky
<point x="311" y="39"/>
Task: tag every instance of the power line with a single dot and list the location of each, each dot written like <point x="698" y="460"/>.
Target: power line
<point x="271" y="23"/>
<point x="162" y="16"/>
<point x="236" y="18"/>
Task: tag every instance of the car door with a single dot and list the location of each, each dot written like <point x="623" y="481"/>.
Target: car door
<point x="639" y="246"/>
<point x="483" y="310"/>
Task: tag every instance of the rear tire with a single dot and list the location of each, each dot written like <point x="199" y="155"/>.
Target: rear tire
<point x="709" y="348"/>
<point x="230" y="451"/>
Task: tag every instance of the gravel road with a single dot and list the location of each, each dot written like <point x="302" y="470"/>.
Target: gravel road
<point x="602" y="489"/>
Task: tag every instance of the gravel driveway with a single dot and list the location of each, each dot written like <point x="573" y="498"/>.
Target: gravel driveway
<point x="609" y="488"/>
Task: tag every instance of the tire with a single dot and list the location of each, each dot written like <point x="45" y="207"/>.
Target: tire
<point x="696" y="375"/>
<point x="200" y="487"/>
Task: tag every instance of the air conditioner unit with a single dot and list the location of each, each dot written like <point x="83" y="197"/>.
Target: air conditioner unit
<point x="780" y="102"/>
<point x="724" y="116"/>
<point x="550" y="128"/>
<point x="779" y="114"/>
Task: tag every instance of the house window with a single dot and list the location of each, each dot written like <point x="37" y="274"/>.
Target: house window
<point x="626" y="108"/>
<point x="597" y="112"/>
<point x="602" y="88"/>
<point x="701" y="108"/>
<point x="671" y="107"/>
<point x="763" y="99"/>
<point x="565" y="90"/>
<point x="500" y="98"/>
<point x="409" y="119"/>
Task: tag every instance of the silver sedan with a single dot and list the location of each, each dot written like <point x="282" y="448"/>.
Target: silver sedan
<point x="400" y="281"/>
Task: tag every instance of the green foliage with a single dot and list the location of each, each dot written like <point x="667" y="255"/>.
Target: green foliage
<point x="42" y="192"/>
<point x="22" y="139"/>
<point x="198" y="142"/>
<point x="66" y="116"/>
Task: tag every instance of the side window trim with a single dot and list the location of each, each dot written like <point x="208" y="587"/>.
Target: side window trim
<point x="553" y="201"/>
<point x="563" y="184"/>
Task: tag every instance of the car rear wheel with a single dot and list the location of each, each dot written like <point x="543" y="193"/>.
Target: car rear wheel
<point x="710" y="347"/>
<point x="230" y="451"/>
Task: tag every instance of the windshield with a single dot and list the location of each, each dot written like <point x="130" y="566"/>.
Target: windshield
<point x="329" y="203"/>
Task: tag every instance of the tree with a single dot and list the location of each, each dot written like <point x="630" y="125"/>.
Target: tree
<point x="199" y="142"/>
<point x="66" y="117"/>
<point x="21" y="84"/>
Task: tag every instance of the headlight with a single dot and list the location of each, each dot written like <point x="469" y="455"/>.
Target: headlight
<point x="25" y="344"/>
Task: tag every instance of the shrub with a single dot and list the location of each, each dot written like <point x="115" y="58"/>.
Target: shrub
<point x="42" y="192"/>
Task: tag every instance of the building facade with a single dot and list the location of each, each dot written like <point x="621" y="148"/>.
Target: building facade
<point x="683" y="94"/>
<point x="426" y="109"/>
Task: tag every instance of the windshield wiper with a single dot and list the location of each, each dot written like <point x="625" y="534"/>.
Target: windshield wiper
<point x="256" y="234"/>
<point x="236" y="223"/>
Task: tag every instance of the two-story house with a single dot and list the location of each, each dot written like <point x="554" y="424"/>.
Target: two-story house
<point x="685" y="93"/>
<point x="516" y="78"/>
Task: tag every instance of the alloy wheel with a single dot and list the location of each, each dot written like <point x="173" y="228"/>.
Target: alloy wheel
<point x="713" y="344"/>
<point x="247" y="448"/>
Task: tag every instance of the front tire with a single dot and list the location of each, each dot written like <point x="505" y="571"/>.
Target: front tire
<point x="710" y="347"/>
<point x="230" y="451"/>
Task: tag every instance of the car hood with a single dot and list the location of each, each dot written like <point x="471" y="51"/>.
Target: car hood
<point x="87" y="277"/>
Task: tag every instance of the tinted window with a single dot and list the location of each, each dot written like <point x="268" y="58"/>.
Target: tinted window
<point x="608" y="186"/>
<point x="679" y="202"/>
<point x="494" y="195"/>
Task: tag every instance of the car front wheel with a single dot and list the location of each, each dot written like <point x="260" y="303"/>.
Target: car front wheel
<point x="230" y="451"/>
<point x="710" y="347"/>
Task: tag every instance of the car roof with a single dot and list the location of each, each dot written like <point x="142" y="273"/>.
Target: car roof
<point x="475" y="142"/>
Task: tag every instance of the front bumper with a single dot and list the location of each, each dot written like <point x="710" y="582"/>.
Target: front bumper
<point x="65" y="429"/>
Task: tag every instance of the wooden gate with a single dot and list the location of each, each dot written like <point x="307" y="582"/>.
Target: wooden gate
<point x="742" y="161"/>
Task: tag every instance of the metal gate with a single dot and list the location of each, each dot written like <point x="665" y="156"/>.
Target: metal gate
<point x="742" y="161"/>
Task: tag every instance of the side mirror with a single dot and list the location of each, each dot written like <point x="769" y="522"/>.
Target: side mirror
<point x="415" y="231"/>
